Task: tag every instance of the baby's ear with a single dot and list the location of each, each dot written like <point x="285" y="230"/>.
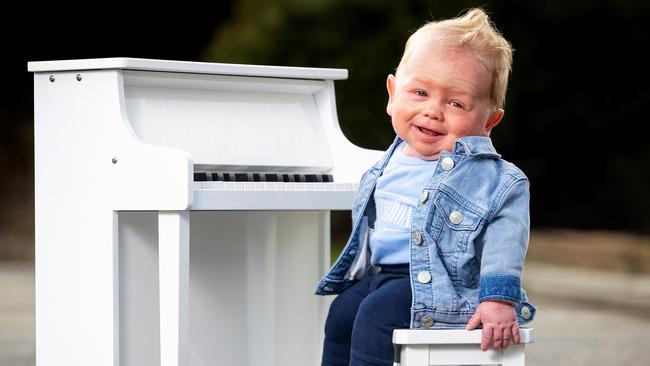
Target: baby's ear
<point x="390" y="87"/>
<point x="494" y="120"/>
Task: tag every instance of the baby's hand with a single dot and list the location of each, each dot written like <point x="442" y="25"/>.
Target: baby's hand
<point x="499" y="324"/>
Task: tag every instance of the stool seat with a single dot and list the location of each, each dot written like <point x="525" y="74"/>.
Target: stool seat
<point x="455" y="347"/>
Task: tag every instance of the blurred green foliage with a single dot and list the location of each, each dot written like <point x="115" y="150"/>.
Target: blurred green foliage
<point x="576" y="106"/>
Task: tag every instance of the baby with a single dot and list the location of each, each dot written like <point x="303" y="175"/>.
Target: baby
<point x="441" y="222"/>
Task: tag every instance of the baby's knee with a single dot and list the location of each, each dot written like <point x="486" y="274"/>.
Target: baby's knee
<point x="340" y="319"/>
<point x="382" y="315"/>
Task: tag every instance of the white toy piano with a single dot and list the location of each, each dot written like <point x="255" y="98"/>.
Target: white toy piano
<point x="182" y="210"/>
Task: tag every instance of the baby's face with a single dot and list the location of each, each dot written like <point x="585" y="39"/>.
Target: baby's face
<point x="438" y="95"/>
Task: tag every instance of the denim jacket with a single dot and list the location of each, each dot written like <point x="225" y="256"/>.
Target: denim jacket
<point x="469" y="236"/>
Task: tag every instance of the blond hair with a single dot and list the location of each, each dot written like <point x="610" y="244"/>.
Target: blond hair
<point x="473" y="31"/>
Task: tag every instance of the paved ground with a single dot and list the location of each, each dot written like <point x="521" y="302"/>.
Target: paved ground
<point x="585" y="317"/>
<point x="588" y="317"/>
<point x="16" y="314"/>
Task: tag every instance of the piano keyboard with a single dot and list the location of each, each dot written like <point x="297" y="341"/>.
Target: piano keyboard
<point x="233" y="195"/>
<point x="269" y="181"/>
<point x="241" y="190"/>
<point x="285" y="186"/>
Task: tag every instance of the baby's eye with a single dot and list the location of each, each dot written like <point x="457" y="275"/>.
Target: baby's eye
<point x="420" y="93"/>
<point x="455" y="103"/>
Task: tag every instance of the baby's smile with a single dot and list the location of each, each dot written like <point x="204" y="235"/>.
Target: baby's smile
<point x="427" y="131"/>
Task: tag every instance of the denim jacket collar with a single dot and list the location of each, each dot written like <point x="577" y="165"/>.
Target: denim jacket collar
<point x="479" y="146"/>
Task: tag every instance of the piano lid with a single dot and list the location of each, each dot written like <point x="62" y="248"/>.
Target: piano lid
<point x="188" y="67"/>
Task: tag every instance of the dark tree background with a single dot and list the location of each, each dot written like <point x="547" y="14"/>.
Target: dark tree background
<point x="576" y="119"/>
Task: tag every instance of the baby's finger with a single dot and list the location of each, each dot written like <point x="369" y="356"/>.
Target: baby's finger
<point x="474" y="321"/>
<point x="515" y="333"/>
<point x="497" y="338"/>
<point x="486" y="337"/>
<point x="507" y="334"/>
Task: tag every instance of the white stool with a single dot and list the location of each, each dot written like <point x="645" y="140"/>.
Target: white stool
<point x="455" y="347"/>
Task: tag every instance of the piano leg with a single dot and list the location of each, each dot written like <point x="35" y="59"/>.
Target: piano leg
<point x="174" y="255"/>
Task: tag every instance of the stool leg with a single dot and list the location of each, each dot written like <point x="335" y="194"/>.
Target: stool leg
<point x="415" y="355"/>
<point x="514" y="355"/>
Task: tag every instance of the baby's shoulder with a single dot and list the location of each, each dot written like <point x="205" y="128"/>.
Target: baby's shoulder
<point x="505" y="167"/>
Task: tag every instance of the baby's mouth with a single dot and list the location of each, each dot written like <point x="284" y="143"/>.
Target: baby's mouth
<point x="427" y="131"/>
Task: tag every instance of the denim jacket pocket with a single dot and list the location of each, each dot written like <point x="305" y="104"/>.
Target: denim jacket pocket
<point x="454" y="220"/>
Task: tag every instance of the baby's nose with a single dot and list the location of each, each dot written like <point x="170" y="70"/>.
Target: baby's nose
<point x="433" y="110"/>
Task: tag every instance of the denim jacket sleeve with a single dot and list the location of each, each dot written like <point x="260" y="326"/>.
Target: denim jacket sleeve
<point x="504" y="242"/>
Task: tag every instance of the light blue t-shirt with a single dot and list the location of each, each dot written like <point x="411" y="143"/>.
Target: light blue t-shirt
<point x="396" y="197"/>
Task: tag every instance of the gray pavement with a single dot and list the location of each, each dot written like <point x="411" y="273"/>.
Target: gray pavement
<point x="588" y="317"/>
<point x="585" y="316"/>
<point x="17" y="314"/>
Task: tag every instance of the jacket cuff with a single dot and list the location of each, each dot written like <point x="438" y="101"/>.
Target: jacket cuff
<point x="500" y="287"/>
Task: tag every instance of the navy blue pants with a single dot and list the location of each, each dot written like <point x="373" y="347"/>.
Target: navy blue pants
<point x="361" y="320"/>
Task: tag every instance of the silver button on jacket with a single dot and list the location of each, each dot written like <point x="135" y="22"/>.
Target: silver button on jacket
<point x="456" y="217"/>
<point x="447" y="163"/>
<point x="424" y="277"/>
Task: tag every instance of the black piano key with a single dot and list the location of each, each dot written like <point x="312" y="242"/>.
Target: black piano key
<point x="271" y="177"/>
<point x="264" y="177"/>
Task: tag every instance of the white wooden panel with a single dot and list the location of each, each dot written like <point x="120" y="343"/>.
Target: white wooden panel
<point x="232" y="128"/>
<point x="416" y="355"/>
<point x="350" y="161"/>
<point x="514" y="355"/>
<point x="252" y="280"/>
<point x="138" y="285"/>
<point x="174" y="271"/>
<point x="76" y="246"/>
<point x="449" y="336"/>
<point x="462" y="354"/>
